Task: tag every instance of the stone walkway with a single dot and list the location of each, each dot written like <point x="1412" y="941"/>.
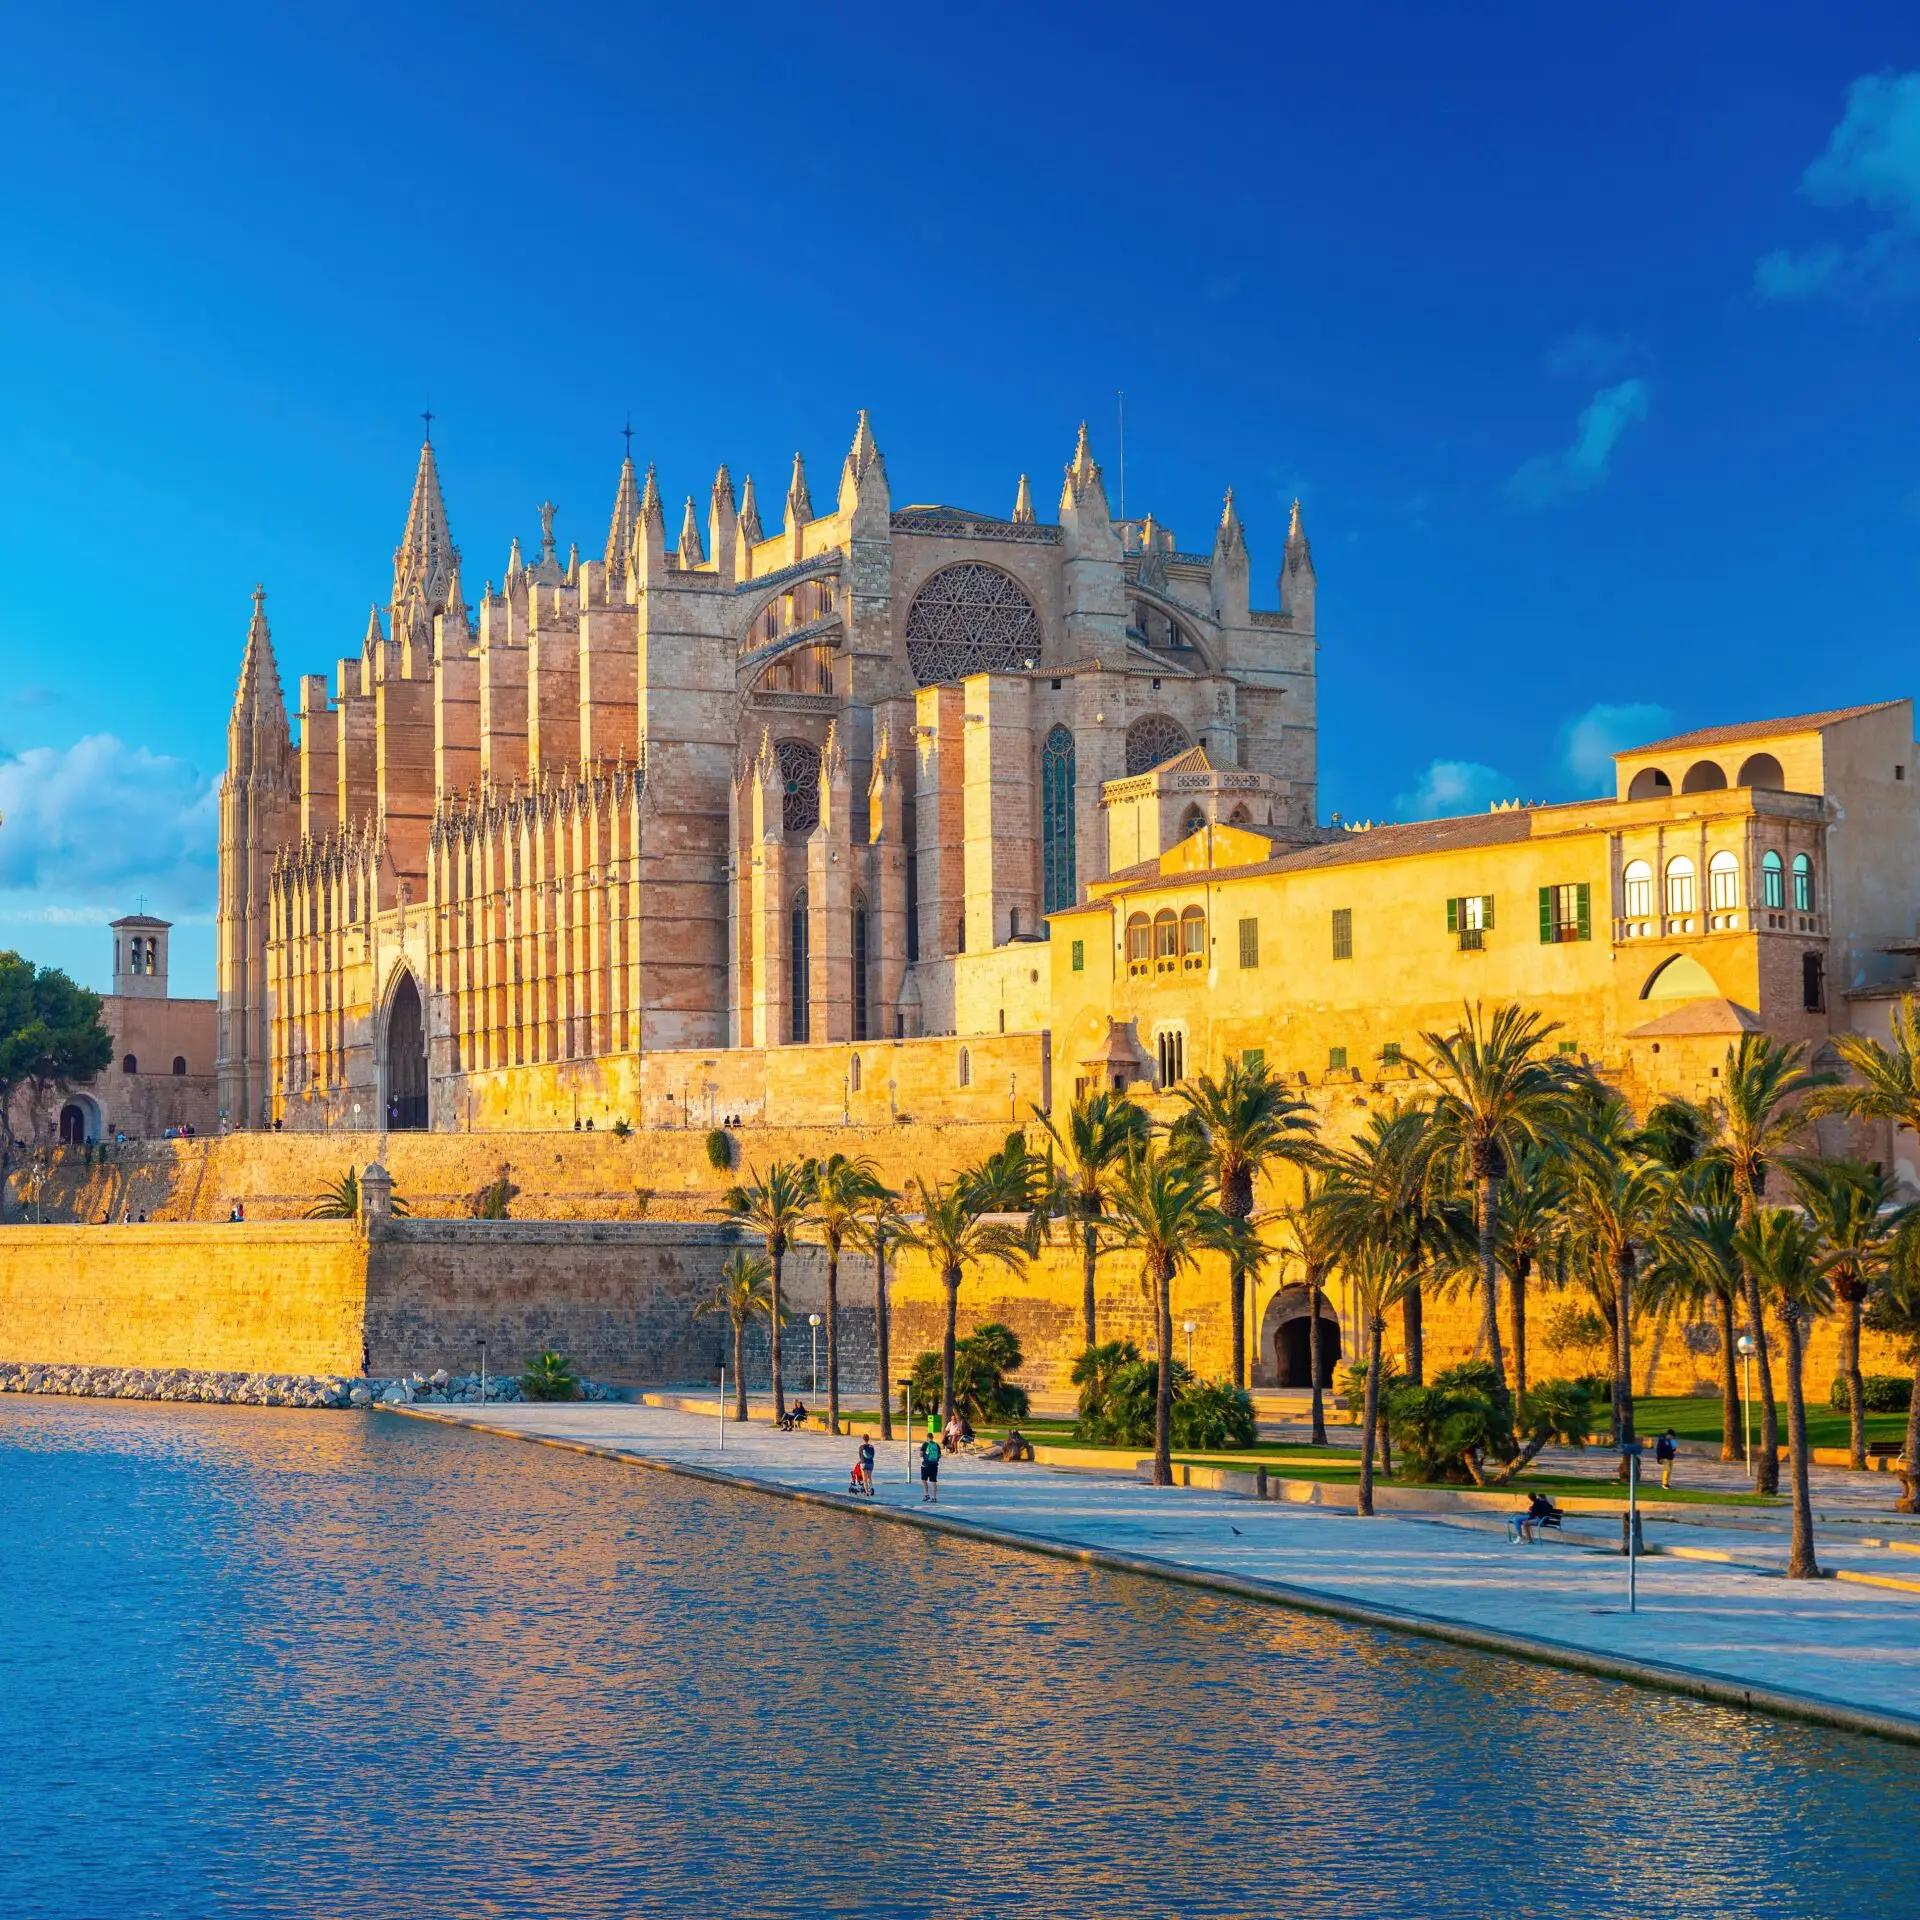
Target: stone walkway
<point x="1846" y="1653"/>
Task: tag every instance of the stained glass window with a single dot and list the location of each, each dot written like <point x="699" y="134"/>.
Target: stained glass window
<point x="1152" y="740"/>
<point x="1059" y="874"/>
<point x="970" y="618"/>
<point x="798" y="971"/>
<point x="799" y="785"/>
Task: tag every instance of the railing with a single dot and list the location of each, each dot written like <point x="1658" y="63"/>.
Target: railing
<point x="1673" y="926"/>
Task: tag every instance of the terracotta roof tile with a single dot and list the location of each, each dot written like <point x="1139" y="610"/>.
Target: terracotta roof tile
<point x="1757" y="729"/>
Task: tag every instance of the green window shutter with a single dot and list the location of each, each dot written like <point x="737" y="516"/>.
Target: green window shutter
<point x="1583" y="909"/>
<point x="1249" y="943"/>
<point x="1453" y="916"/>
<point x="1079" y="956"/>
<point x="1546" y="916"/>
<point x="1486" y="911"/>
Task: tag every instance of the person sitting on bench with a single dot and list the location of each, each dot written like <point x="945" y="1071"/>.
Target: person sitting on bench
<point x="1541" y="1512"/>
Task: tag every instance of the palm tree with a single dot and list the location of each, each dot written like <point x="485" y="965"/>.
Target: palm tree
<point x="1531" y="1202"/>
<point x="1764" y="1104"/>
<point x="341" y="1201"/>
<point x="876" y="1230"/>
<point x="742" y="1296"/>
<point x="1895" y="1309"/>
<point x="841" y="1188"/>
<point x="775" y="1208"/>
<point x="1312" y="1227"/>
<point x="1379" y="1272"/>
<point x="1850" y="1204"/>
<point x="1494" y="1092"/>
<point x="1708" y="1269"/>
<point x="1163" y="1208"/>
<point x="1620" y="1208"/>
<point x="1781" y="1251"/>
<point x="952" y="1231"/>
<point x="1101" y="1131"/>
<point x="1239" y="1126"/>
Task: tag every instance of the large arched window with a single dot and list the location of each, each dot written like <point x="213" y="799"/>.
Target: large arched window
<point x="1139" y="945"/>
<point x="799" y="785"/>
<point x="859" y="975"/>
<point x="1637" y="887"/>
<point x="799" y="970"/>
<point x="1193" y="940"/>
<point x="1152" y="740"/>
<point x="1802" y="884"/>
<point x="1723" y="882"/>
<point x="1681" y="892"/>
<point x="1166" y="941"/>
<point x="1773" y="880"/>
<point x="1191" y="822"/>
<point x="1059" y="878"/>
<point x="970" y="618"/>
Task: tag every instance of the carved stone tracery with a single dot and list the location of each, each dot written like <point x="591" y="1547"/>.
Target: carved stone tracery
<point x="970" y="618"/>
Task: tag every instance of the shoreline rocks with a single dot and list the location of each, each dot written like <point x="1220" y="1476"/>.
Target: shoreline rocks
<point x="339" y="1392"/>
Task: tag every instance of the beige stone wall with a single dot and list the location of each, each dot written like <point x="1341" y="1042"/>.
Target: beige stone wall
<point x="286" y="1299"/>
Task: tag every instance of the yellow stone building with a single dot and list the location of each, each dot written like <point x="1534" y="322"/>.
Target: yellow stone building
<point x="1764" y="875"/>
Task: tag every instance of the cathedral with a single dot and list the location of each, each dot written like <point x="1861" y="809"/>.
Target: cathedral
<point x="677" y="831"/>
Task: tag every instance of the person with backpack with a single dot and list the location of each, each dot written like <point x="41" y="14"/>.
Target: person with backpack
<point x="930" y="1469"/>
<point x="1666" y="1450"/>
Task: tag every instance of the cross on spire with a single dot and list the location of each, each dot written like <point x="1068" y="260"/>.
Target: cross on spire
<point x="627" y="432"/>
<point x="427" y="417"/>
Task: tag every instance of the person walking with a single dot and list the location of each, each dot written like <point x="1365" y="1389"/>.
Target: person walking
<point x="866" y="1464"/>
<point x="930" y="1469"/>
<point x="1666" y="1450"/>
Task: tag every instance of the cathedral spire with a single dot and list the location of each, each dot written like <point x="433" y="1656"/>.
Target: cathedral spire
<point x="1296" y="572"/>
<point x="799" y="500"/>
<point x="626" y="515"/>
<point x="259" y="723"/>
<point x="376" y="635"/>
<point x="750" y="514"/>
<point x="1023" y="504"/>
<point x="691" y="553"/>
<point x="426" y="553"/>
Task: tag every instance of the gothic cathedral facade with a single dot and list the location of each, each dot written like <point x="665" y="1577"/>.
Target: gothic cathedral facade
<point x="751" y="791"/>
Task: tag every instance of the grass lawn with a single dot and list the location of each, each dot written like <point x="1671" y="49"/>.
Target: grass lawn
<point x="1699" y="1419"/>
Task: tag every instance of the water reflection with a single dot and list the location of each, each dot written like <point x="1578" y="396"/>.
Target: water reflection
<point x="270" y="1663"/>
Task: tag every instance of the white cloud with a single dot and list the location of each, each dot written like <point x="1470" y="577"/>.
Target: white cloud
<point x="1588" y="460"/>
<point x="88" y="826"/>
<point x="1589" y="741"/>
<point x="1586" y="354"/>
<point x="1872" y="160"/>
<point x="1451" y="787"/>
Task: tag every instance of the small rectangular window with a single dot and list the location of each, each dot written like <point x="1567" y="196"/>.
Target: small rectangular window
<point x="1079" y="956"/>
<point x="1254" y="1059"/>
<point x="1343" y="933"/>
<point x="1249" y="943"/>
<point x="1813" y="985"/>
<point x="1566" y="913"/>
<point x="1336" y="1059"/>
<point x="1390" y="1054"/>
<point x="1568" y="1046"/>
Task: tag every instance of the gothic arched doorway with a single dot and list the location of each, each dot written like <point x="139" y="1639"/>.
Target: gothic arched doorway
<point x="1285" y="1335"/>
<point x="406" y="1058"/>
<point x="79" y="1123"/>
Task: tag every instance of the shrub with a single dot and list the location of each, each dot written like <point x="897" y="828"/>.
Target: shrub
<point x="493" y="1201"/>
<point x="1466" y="1410"/>
<point x="981" y="1362"/>
<point x="549" y="1376"/>
<point x="621" y="1129"/>
<point x="720" y="1150"/>
<point x="1213" y="1414"/>
<point x="1568" y="1329"/>
<point x="1885" y="1393"/>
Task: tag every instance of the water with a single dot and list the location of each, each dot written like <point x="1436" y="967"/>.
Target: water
<point x="261" y="1663"/>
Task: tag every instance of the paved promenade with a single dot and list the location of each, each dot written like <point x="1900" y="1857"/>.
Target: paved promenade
<point x="1847" y="1653"/>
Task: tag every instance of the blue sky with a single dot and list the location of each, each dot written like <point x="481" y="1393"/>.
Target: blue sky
<point x="1587" y="339"/>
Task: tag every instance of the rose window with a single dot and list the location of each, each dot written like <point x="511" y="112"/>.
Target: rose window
<point x="970" y="618"/>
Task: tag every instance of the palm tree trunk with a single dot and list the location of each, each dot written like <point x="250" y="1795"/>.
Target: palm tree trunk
<point x="740" y="1371"/>
<point x="833" y="1339"/>
<point x="1412" y="1324"/>
<point x="1517" y="1289"/>
<point x="775" y="1254"/>
<point x="952" y="1278"/>
<point x="1490" y="1272"/>
<point x="1163" y="1387"/>
<point x="1623" y="1356"/>
<point x="880" y="1340"/>
<point x="1318" y="1437"/>
<point x="1856" y="1387"/>
<point x="1801" y="1565"/>
<point x="1370" y="1419"/>
<point x="1731" y="1437"/>
<point x="1236" y="1285"/>
<point x="1909" y="1501"/>
<point x="1089" y="1260"/>
<point x="1766" y="1462"/>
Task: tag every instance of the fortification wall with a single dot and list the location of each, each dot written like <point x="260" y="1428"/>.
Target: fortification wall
<point x="287" y="1299"/>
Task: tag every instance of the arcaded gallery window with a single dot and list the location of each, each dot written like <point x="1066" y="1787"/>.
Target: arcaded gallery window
<point x="1059" y="879"/>
<point x="1636" y="885"/>
<point x="1193" y="940"/>
<point x="1681" y="894"/>
<point x="1773" y="881"/>
<point x="1802" y="884"/>
<point x="1139" y="945"/>
<point x="1166" y="941"/>
<point x="1723" y="882"/>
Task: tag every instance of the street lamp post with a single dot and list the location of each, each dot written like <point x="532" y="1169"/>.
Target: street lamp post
<point x="813" y="1320"/>
<point x="1744" y="1348"/>
<point x="906" y="1393"/>
<point x="1187" y="1327"/>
